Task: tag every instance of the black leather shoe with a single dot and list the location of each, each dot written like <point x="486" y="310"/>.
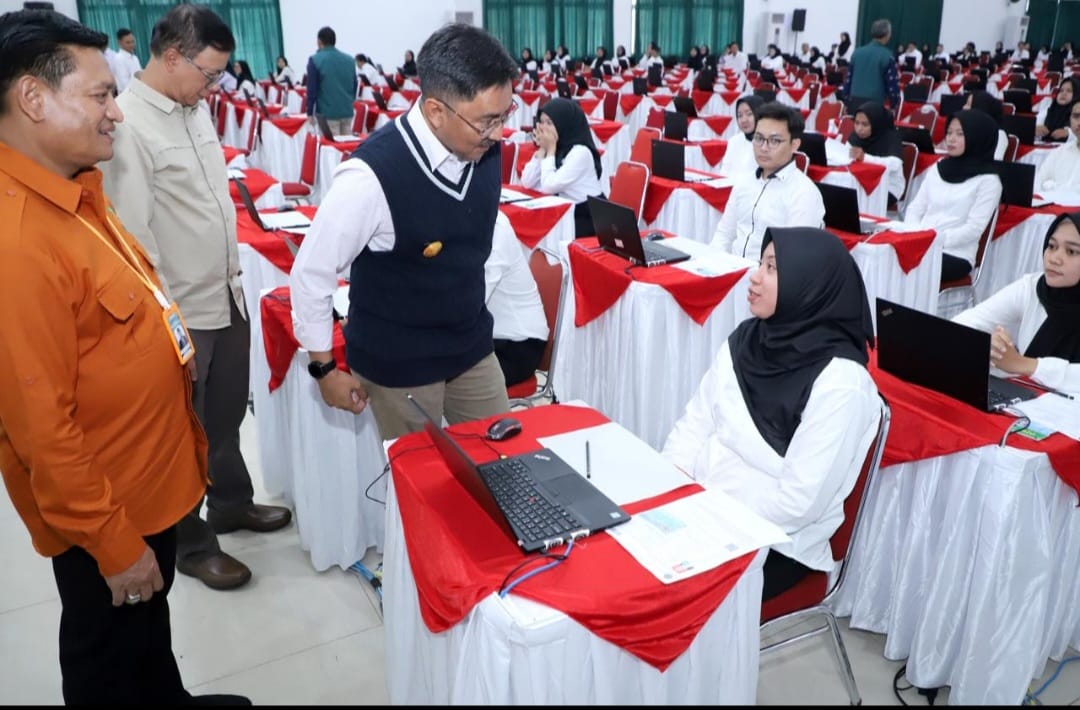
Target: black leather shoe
<point x="257" y="518"/>
<point x="217" y="571"/>
<point x="218" y="700"/>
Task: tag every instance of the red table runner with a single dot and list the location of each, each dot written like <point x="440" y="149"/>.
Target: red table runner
<point x="257" y="183"/>
<point x="532" y="225"/>
<point x="713" y="151"/>
<point x="628" y="102"/>
<point x="661" y="100"/>
<point x="588" y="105"/>
<point x="910" y="247"/>
<point x="660" y="189"/>
<point x="279" y="341"/>
<point x="231" y="153"/>
<point x="604" y="130"/>
<point x="459" y="555"/>
<point x="600" y="279"/>
<point x="868" y="175"/>
<point x="718" y="124"/>
<point x="925" y="160"/>
<point x="270" y="245"/>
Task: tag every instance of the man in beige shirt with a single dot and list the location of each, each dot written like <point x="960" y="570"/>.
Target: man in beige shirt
<point x="169" y="184"/>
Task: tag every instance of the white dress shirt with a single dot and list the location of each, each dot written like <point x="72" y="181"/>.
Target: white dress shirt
<point x="287" y="72"/>
<point x="352" y="217"/>
<point x="942" y="57"/>
<point x="739" y="160"/>
<point x="737" y="62"/>
<point x="227" y="83"/>
<point x="786" y="199"/>
<point x="510" y="289"/>
<point x="958" y="211"/>
<point x="717" y="443"/>
<point x="916" y="54"/>
<point x="1017" y="308"/>
<point x="249" y="86"/>
<point x="123" y="65"/>
<point x="1061" y="168"/>
<point x="773" y="63"/>
<point x="371" y="74"/>
<point x="648" y="61"/>
<point x="575" y="179"/>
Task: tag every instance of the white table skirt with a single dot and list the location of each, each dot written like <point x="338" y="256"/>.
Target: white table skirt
<point x="271" y="199"/>
<point x="981" y="602"/>
<point x="687" y="214"/>
<point x="513" y="651"/>
<point x="883" y="276"/>
<point x="236" y="132"/>
<point x="621" y="362"/>
<point x="874" y="203"/>
<point x="616" y="150"/>
<point x="329" y="159"/>
<point x="278" y="153"/>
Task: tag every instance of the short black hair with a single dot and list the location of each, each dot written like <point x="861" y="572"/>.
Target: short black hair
<point x="458" y="61"/>
<point x="327" y="36"/>
<point x="779" y="112"/>
<point x="122" y="33"/>
<point x="361" y="58"/>
<point x="190" y="29"/>
<point x="35" y="42"/>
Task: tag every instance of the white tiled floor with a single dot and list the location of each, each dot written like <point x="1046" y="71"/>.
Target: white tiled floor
<point x="296" y="636"/>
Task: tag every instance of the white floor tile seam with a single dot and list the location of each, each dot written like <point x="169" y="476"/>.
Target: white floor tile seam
<point x="31" y="605"/>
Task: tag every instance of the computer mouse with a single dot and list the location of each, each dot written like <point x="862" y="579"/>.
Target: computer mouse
<point x="503" y="429"/>
<point x="655" y="236"/>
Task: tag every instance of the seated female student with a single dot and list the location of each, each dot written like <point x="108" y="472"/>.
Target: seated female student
<point x="566" y="162"/>
<point x="284" y="71"/>
<point x="816" y="61"/>
<point x="1054" y="126"/>
<point x="693" y="59"/>
<point x="773" y="60"/>
<point x="1035" y="320"/>
<point x="739" y="157"/>
<point x="549" y="59"/>
<point x="783" y="419"/>
<point x="960" y="192"/>
<point x="1061" y="168"/>
<point x="408" y="68"/>
<point x="986" y="102"/>
<point x="527" y="63"/>
<point x="876" y="140"/>
<point x="244" y="80"/>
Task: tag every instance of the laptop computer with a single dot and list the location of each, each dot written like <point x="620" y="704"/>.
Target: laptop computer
<point x="813" y="144"/>
<point x="1029" y="84"/>
<point x="944" y="356"/>
<point x="596" y="73"/>
<point x="951" y="103"/>
<point x="1021" y="125"/>
<point x="538" y="499"/>
<point x="641" y="87"/>
<point x="918" y="93"/>
<point x="917" y="135"/>
<point x="1019" y="98"/>
<point x="291" y="220"/>
<point x="1017" y="182"/>
<point x="656" y="74"/>
<point x="842" y="210"/>
<point x="581" y="83"/>
<point x="834" y="78"/>
<point x="909" y="63"/>
<point x="675" y="124"/>
<point x="377" y="97"/>
<point x="685" y="105"/>
<point x="563" y="89"/>
<point x="607" y="69"/>
<point x="617" y="229"/>
<point x="669" y="160"/>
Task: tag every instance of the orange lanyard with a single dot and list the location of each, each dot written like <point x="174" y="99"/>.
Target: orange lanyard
<point x="132" y="261"/>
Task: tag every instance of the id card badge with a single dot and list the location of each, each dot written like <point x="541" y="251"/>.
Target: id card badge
<point x="178" y="333"/>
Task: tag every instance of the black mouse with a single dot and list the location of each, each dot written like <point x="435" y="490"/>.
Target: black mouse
<point x="656" y="236"/>
<point x="503" y="429"/>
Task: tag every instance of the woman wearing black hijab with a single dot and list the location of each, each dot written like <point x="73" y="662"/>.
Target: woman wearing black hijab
<point x="784" y="417"/>
<point x="1055" y="127"/>
<point x="876" y="140"/>
<point x="739" y="157"/>
<point x="566" y="162"/>
<point x="961" y="192"/>
<point x="844" y="50"/>
<point x="1035" y="320"/>
<point x="990" y="105"/>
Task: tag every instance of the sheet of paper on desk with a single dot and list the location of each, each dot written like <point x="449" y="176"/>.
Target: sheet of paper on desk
<point x="507" y="194"/>
<point x="694" y="534"/>
<point x="236" y="173"/>
<point x="1053" y="412"/>
<point x="893" y="225"/>
<point x="546" y="201"/>
<point x="624" y="467"/>
<point x="1056" y="197"/>
<point x="706" y="260"/>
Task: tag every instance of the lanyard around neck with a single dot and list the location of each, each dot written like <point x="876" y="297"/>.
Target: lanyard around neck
<point x="131" y="261"/>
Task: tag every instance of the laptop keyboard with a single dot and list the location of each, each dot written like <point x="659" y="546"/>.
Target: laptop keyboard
<point x="997" y="400"/>
<point x="658" y="253"/>
<point x="531" y="514"/>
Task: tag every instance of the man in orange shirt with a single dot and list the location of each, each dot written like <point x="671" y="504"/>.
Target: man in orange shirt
<point x="100" y="449"/>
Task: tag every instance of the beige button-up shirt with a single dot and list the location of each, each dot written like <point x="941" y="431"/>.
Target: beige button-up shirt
<point x="168" y="182"/>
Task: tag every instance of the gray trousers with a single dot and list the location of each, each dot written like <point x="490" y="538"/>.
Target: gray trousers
<point x="340" y="126"/>
<point x="220" y="397"/>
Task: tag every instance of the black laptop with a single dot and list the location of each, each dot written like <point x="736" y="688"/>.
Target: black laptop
<point x="813" y="144"/>
<point x="917" y="135"/>
<point x="685" y="105"/>
<point x="917" y="93"/>
<point x="944" y="356"/>
<point x="834" y="78"/>
<point x="563" y="89"/>
<point x="1028" y="84"/>
<point x="581" y="83"/>
<point x="290" y="220"/>
<point x="616" y="228"/>
<point x="675" y="124"/>
<point x="1020" y="98"/>
<point x="537" y="498"/>
<point x="377" y="97"/>
<point x="1021" y="125"/>
<point x="641" y="87"/>
<point x="656" y="74"/>
<point x="1017" y="182"/>
<point x="842" y="210"/>
<point x="951" y="103"/>
<point x="669" y="160"/>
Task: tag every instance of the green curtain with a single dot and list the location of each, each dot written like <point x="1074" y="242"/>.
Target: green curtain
<point x="1041" y="27"/>
<point x="675" y="25"/>
<point x="917" y="21"/>
<point x="1068" y="25"/>
<point x="582" y="25"/>
<point x="256" y="24"/>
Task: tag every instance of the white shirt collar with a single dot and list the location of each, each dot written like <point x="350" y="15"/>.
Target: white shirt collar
<point x="436" y="153"/>
<point x="783" y="173"/>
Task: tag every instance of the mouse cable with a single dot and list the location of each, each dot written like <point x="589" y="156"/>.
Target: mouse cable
<point x="556" y="560"/>
<point x="386" y="470"/>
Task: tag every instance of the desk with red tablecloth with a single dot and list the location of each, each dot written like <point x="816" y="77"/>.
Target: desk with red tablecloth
<point x="969" y="556"/>
<point x="598" y="629"/>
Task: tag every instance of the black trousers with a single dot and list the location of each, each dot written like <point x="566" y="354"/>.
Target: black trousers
<point x="519" y="358"/>
<point x="781" y="574"/>
<point x="116" y="655"/>
<point x="220" y="398"/>
<point x="953" y="267"/>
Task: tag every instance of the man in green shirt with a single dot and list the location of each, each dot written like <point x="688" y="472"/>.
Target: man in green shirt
<point x="872" y="75"/>
<point x="331" y="84"/>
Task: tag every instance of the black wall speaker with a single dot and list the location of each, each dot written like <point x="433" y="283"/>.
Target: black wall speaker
<point x="38" y="6"/>
<point x="798" y="20"/>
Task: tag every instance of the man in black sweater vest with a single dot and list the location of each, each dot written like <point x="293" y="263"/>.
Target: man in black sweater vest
<point x="411" y="215"/>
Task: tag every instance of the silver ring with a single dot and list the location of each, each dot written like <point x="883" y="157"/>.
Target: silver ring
<point x="134" y="598"/>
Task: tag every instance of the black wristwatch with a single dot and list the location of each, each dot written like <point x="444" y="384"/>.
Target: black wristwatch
<point x="319" y="370"/>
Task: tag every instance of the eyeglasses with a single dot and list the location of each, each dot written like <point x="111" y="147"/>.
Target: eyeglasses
<point x="211" y="77"/>
<point x="771" y="141"/>
<point x="485" y="130"/>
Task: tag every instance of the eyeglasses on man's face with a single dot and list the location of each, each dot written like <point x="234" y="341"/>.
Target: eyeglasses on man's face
<point x="771" y="141"/>
<point x="488" y="126"/>
<point x="211" y="77"/>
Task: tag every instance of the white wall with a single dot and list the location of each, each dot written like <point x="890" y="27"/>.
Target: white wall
<point x="825" y="20"/>
<point x="978" y="21"/>
<point x="68" y="7"/>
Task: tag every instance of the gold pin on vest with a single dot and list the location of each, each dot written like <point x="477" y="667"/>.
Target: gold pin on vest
<point x="432" y="249"/>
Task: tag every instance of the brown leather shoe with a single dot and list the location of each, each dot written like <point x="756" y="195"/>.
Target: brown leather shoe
<point x="217" y="571"/>
<point x="257" y="518"/>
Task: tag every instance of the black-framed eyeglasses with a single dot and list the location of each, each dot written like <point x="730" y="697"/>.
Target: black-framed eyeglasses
<point x="211" y="77"/>
<point x="485" y="130"/>
<point x="771" y="141"/>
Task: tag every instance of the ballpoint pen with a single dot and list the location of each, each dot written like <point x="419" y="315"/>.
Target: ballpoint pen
<point x="588" y="462"/>
<point x="1044" y="388"/>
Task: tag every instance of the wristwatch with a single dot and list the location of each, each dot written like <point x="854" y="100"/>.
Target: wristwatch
<point x="319" y="370"/>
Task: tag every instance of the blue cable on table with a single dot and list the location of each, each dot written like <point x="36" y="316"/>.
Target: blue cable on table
<point x="538" y="570"/>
